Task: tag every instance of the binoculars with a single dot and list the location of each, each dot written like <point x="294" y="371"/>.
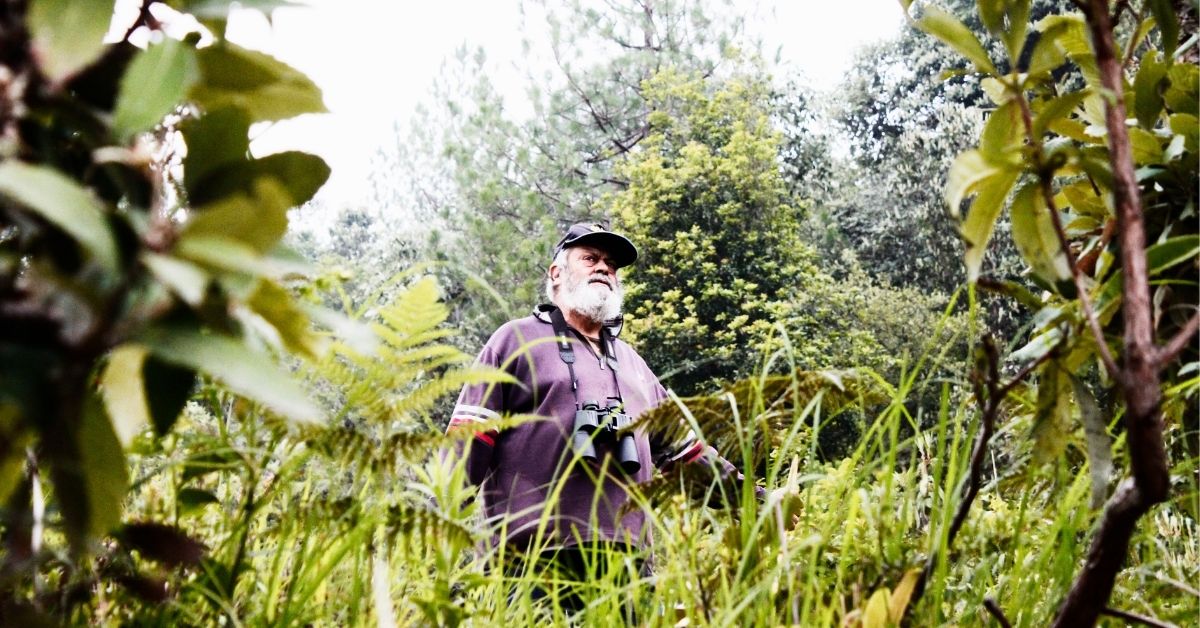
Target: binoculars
<point x="595" y="424"/>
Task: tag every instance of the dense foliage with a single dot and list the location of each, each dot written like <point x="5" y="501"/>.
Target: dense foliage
<point x="198" y="426"/>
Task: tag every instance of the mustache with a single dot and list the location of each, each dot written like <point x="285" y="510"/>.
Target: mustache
<point x="602" y="278"/>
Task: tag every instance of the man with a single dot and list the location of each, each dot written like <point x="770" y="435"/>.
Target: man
<point x="539" y="483"/>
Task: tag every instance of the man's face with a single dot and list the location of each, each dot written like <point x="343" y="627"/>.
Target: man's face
<point x="589" y="284"/>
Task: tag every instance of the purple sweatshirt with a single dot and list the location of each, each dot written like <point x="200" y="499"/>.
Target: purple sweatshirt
<point x="521" y="468"/>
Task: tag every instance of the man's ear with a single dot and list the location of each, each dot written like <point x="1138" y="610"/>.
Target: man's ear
<point x="553" y="272"/>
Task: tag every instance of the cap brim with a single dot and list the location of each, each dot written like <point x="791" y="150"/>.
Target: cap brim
<point x="623" y="251"/>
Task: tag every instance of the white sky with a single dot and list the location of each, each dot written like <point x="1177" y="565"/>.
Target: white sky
<point x="375" y="60"/>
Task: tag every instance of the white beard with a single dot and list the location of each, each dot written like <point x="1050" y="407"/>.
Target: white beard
<point x="594" y="303"/>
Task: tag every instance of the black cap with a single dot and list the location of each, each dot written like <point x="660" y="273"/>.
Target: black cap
<point x="623" y="251"/>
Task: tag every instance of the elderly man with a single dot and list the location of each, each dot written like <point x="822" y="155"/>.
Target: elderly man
<point x="561" y="482"/>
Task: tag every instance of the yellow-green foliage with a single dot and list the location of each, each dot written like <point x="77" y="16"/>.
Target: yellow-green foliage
<point x="716" y="226"/>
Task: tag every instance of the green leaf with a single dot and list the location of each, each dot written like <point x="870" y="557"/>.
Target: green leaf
<point x="12" y="457"/>
<point x="168" y="388"/>
<point x="67" y="35"/>
<point x="63" y="202"/>
<point x="1038" y="347"/>
<point x="981" y="219"/>
<point x="902" y="594"/>
<point x="124" y="392"/>
<point x="102" y="467"/>
<point x="1047" y="55"/>
<point x="1082" y="198"/>
<point x="225" y="254"/>
<point x="1057" y="109"/>
<point x="1070" y="32"/>
<point x="946" y="27"/>
<point x="300" y="174"/>
<point x="214" y="140"/>
<point x="235" y="366"/>
<point x="1007" y="21"/>
<point x="193" y="500"/>
<point x="1002" y="132"/>
<point x="875" y="615"/>
<point x="1187" y="126"/>
<point x="185" y="279"/>
<point x="265" y="87"/>
<point x="1183" y="93"/>
<point x="1168" y="253"/>
<point x="157" y="80"/>
<point x="1052" y="423"/>
<point x="1099" y="444"/>
<point x="1146" y="147"/>
<point x="1033" y="233"/>
<point x="966" y="173"/>
<point x="257" y="220"/>
<point x="1168" y="24"/>
<point x="276" y="306"/>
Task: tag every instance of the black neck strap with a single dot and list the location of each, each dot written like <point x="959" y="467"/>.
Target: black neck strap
<point x="562" y="337"/>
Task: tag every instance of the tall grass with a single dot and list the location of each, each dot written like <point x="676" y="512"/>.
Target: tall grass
<point x="300" y="534"/>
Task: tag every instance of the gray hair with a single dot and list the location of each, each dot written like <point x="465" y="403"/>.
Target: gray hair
<point x="560" y="260"/>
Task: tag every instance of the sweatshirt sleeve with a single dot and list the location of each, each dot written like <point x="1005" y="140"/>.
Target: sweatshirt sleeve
<point x="478" y="405"/>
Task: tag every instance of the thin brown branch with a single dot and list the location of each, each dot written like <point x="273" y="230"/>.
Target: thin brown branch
<point x="1135" y="618"/>
<point x="1045" y="183"/>
<point x="990" y="394"/>
<point x="1179" y="342"/>
<point x="994" y="608"/>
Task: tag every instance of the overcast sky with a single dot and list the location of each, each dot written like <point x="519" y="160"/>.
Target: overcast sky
<point x="376" y="60"/>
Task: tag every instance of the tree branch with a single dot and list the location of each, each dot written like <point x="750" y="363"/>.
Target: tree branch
<point x="990" y="393"/>
<point x="1176" y="345"/>
<point x="1150" y="481"/>
<point x="1135" y="618"/>
<point x="1045" y="184"/>
<point x="994" y="608"/>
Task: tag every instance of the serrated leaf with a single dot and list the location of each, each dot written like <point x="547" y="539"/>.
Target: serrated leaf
<point x="1033" y="233"/>
<point x="1147" y="99"/>
<point x="124" y="392"/>
<point x="1099" y="444"/>
<point x="981" y="219"/>
<point x="946" y="27"/>
<point x="64" y="203"/>
<point x="235" y="366"/>
<point x="1070" y="32"/>
<point x="157" y="80"/>
<point x="265" y="87"/>
<point x="1168" y="24"/>
<point x="67" y="35"/>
